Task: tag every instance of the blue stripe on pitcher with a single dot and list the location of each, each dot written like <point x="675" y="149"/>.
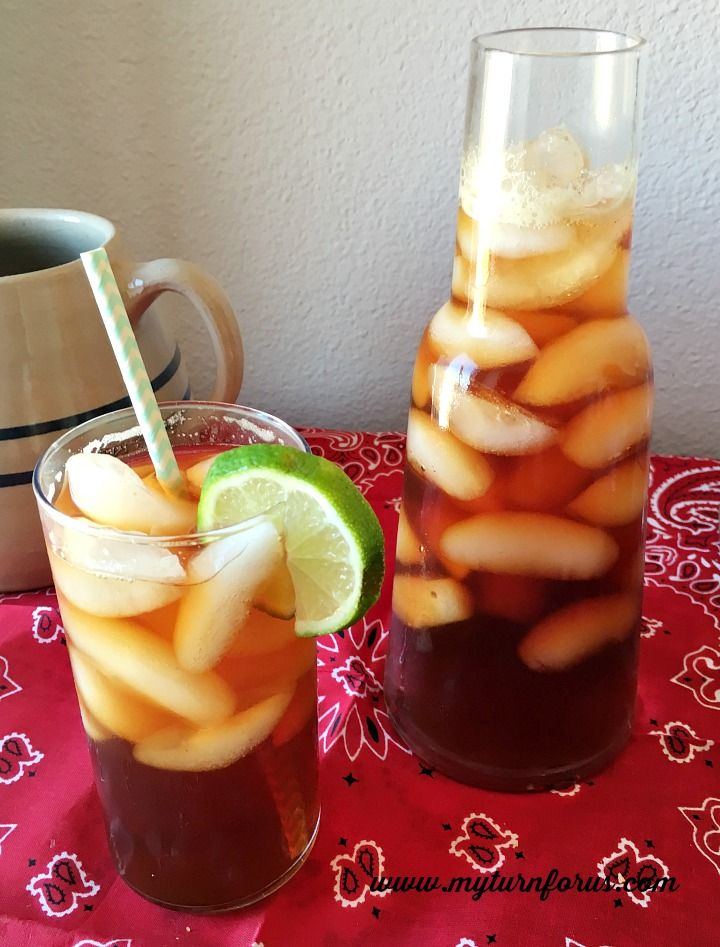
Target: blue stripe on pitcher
<point x="61" y="424"/>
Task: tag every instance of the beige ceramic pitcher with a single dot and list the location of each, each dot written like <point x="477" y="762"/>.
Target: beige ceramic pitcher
<point x="56" y="364"/>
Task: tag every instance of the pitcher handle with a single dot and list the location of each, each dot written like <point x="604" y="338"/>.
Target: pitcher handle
<point x="144" y="282"/>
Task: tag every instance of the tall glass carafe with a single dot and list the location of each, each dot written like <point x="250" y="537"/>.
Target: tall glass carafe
<point x="517" y="596"/>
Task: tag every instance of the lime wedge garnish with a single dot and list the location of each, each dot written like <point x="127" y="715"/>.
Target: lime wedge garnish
<point x="333" y="541"/>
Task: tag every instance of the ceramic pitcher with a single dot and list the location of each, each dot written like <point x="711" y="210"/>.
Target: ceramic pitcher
<point x="56" y="364"/>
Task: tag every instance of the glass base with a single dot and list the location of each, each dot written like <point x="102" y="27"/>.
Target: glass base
<point x="498" y="779"/>
<point x="247" y="899"/>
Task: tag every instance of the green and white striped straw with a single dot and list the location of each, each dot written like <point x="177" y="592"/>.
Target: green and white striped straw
<point x="109" y="302"/>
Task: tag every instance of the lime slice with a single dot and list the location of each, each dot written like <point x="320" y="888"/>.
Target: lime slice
<point x="333" y="541"/>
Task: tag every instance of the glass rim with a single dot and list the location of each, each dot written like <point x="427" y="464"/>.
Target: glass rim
<point x="489" y="42"/>
<point x="143" y="539"/>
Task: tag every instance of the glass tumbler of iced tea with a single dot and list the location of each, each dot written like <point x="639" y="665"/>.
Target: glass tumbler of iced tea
<point x="517" y="595"/>
<point x="206" y="769"/>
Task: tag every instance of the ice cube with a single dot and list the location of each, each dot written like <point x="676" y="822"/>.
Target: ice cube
<point x="540" y="282"/>
<point x="109" y="552"/>
<point x="489" y="338"/>
<point x="422" y="602"/>
<point x="104" y="572"/>
<point x="605" y="430"/>
<point x="513" y="242"/>
<point x="442" y="459"/>
<point x="223" y="578"/>
<point x="554" y="159"/>
<point x="122" y="649"/>
<point x="111" y="493"/>
<point x="408" y="550"/>
<point x="608" y="189"/>
<point x="115" y="596"/>
<point x="116" y="708"/>
<point x="597" y="355"/>
<point x="532" y="544"/>
<point x="197" y="473"/>
<point x="478" y="238"/>
<point x="182" y="749"/>
<point x="617" y="498"/>
<point x="606" y="297"/>
<point x="578" y="631"/>
<point x="487" y="421"/>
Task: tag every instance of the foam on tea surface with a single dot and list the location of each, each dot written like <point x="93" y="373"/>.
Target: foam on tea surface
<point x="541" y="182"/>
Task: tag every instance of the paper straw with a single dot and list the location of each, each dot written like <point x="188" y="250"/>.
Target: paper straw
<point x="109" y="302"/>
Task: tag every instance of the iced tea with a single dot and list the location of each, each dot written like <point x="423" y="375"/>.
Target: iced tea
<point x="197" y="697"/>
<point x="517" y="597"/>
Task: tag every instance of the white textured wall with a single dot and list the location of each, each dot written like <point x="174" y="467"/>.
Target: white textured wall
<point x="307" y="152"/>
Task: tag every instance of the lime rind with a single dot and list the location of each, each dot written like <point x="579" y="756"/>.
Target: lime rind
<point x="334" y="543"/>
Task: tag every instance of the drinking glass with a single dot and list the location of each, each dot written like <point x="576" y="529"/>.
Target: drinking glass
<point x="207" y="769"/>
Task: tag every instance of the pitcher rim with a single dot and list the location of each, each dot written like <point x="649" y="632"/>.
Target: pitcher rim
<point x="64" y="214"/>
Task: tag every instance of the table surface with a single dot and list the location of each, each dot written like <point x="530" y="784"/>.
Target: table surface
<point x="654" y="813"/>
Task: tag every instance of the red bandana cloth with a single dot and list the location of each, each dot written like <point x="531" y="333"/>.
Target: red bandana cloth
<point x="654" y="814"/>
